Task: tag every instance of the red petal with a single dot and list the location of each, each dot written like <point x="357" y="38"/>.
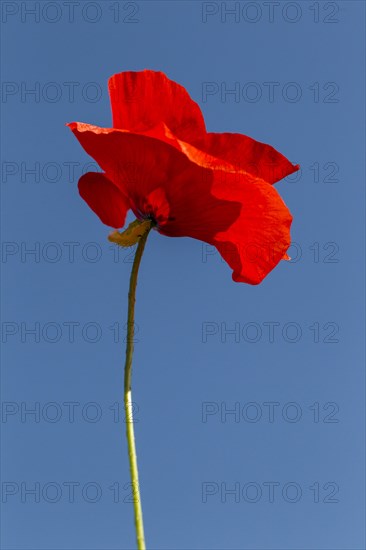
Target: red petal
<point x="145" y="101"/>
<point x="255" y="223"/>
<point x="247" y="154"/>
<point x="242" y="215"/>
<point x="141" y="100"/>
<point x="259" y="238"/>
<point x="136" y="164"/>
<point x="107" y="201"/>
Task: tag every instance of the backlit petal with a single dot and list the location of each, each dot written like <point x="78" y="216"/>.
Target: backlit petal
<point x="141" y="100"/>
<point x="247" y="154"/>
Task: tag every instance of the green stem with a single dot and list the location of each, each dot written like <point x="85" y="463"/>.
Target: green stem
<point x="127" y="394"/>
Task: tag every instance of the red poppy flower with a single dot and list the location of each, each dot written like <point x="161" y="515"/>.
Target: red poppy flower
<point x="160" y="162"/>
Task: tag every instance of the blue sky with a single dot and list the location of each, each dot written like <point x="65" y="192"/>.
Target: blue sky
<point x="249" y="400"/>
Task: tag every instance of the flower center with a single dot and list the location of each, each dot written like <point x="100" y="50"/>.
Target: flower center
<point x="154" y="207"/>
